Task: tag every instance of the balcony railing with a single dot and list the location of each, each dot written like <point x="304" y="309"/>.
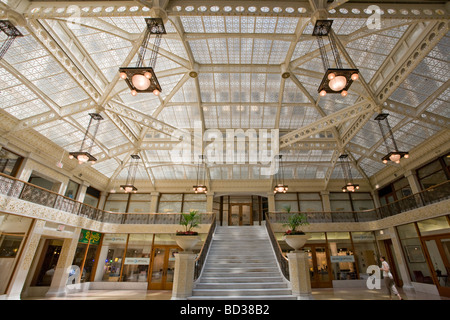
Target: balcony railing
<point x="15" y="188"/>
<point x="431" y="195"/>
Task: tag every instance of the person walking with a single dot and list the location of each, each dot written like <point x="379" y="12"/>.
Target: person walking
<point x="389" y="279"/>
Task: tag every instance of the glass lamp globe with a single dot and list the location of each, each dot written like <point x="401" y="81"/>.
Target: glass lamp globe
<point x="395" y="157"/>
<point x="82" y="158"/>
<point x="338" y="83"/>
<point x="140" y="82"/>
<point x="128" y="189"/>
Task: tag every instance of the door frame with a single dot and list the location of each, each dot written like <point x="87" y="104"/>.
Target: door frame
<point x="240" y="205"/>
<point x="444" y="291"/>
<point x="393" y="267"/>
<point x="163" y="285"/>
<point x="317" y="283"/>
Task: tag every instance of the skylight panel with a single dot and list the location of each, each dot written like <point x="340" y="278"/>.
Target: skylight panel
<point x="232" y="24"/>
<point x="247" y="25"/>
<point x="192" y="24"/>
<point x="54" y="130"/>
<point x="273" y="84"/>
<point x="286" y="25"/>
<point x="265" y="24"/>
<point x="279" y="51"/>
<point x="261" y="51"/>
<point x="200" y="51"/>
<point x="292" y="93"/>
<point x="27" y="109"/>
<point x="218" y="50"/>
<point x="246" y="50"/>
<point x="214" y="24"/>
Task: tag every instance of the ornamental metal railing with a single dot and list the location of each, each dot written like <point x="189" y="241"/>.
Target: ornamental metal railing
<point x="15" y="188"/>
<point x="200" y="260"/>
<point x="434" y="194"/>
<point x="283" y="262"/>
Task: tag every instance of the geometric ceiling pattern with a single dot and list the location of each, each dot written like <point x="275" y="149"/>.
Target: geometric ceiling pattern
<point x="252" y="67"/>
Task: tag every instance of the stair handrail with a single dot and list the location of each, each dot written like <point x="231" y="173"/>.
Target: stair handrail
<point x="200" y="260"/>
<point x="282" y="260"/>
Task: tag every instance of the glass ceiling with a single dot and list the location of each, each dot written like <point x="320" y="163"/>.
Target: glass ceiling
<point x="239" y="59"/>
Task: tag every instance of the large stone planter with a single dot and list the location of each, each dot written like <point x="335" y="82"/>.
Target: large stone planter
<point x="296" y="241"/>
<point x="187" y="243"/>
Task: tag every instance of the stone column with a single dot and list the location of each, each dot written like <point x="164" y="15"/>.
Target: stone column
<point x="210" y="202"/>
<point x="23" y="265"/>
<point x="101" y="202"/>
<point x="299" y="275"/>
<point x="326" y="205"/>
<point x="61" y="275"/>
<point x="413" y="181"/>
<point x="271" y="201"/>
<point x="154" y="202"/>
<point x="183" y="281"/>
<point x="401" y="261"/>
<point x="82" y="192"/>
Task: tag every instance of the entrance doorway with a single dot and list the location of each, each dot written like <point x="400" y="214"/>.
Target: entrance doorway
<point x="437" y="250"/>
<point x="392" y="262"/>
<point x="240" y="214"/>
<point x="162" y="267"/>
<point x="319" y="265"/>
<point x="47" y="263"/>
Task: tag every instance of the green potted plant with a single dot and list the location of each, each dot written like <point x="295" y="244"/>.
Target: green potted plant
<point x="188" y="238"/>
<point x="294" y="237"/>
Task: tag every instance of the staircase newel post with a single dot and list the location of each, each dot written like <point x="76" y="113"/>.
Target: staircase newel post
<point x="183" y="281"/>
<point x="299" y="275"/>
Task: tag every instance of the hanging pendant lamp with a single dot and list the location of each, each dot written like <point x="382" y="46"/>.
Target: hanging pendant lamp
<point x="84" y="155"/>
<point x="393" y="154"/>
<point x="337" y="79"/>
<point x="143" y="78"/>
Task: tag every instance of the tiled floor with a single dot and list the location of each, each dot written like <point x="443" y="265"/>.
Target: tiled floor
<point x="318" y="294"/>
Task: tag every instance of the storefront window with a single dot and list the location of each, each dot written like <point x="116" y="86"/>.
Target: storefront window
<point x="111" y="256"/>
<point x="137" y="258"/>
<point x="116" y="202"/>
<point x="139" y="203"/>
<point x="170" y="203"/>
<point x="366" y="252"/>
<point x="342" y="255"/>
<point x="72" y="190"/>
<point x="12" y="232"/>
<point x="195" y="202"/>
<point x="91" y="197"/>
<point x="415" y="257"/>
<point x="340" y="202"/>
<point x="9" y="162"/>
<point x="433" y="173"/>
<point x="310" y="202"/>
<point x="85" y="261"/>
<point x="286" y="200"/>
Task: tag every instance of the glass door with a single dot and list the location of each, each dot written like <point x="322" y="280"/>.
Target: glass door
<point x="438" y="254"/>
<point x="162" y="268"/>
<point x="318" y="265"/>
<point x="235" y="215"/>
<point x="240" y="215"/>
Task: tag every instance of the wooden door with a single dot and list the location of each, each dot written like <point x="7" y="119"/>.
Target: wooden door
<point x="240" y="214"/>
<point x="437" y="250"/>
<point x="162" y="267"/>
<point x="319" y="265"/>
